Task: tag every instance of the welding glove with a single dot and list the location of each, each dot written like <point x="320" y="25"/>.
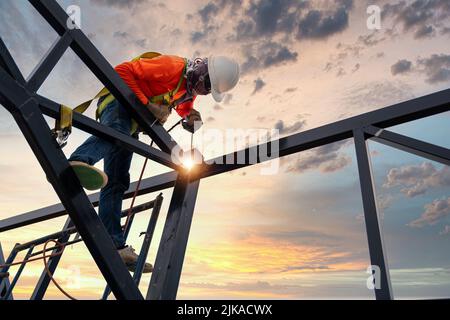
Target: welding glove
<point x="193" y="121"/>
<point x="161" y="112"/>
<point x="194" y="116"/>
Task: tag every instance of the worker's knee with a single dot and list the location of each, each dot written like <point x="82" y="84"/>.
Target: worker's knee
<point x="121" y="182"/>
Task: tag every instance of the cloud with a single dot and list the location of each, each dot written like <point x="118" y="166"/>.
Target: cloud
<point x="227" y="98"/>
<point x="352" y="51"/>
<point x="208" y="16"/>
<point x="434" y="212"/>
<point x="267" y="29"/>
<point x="259" y="84"/>
<point x="418" y="179"/>
<point x="130" y="39"/>
<point x="26" y="35"/>
<point x="266" y="17"/>
<point x="424" y="31"/>
<point x="307" y="267"/>
<point x="119" y="4"/>
<point x="290" y="90"/>
<point x="283" y="129"/>
<point x="420" y="16"/>
<point x="376" y="94"/>
<point x="320" y="25"/>
<point x="197" y="36"/>
<point x="121" y="34"/>
<point x="265" y="55"/>
<point x="341" y="72"/>
<point x="402" y="66"/>
<point x="371" y="39"/>
<point x="436" y="67"/>
<point x="327" y="159"/>
<point x="300" y="236"/>
<point x="259" y="286"/>
<point x="208" y="11"/>
<point x="257" y="250"/>
<point x="445" y="231"/>
<point x="283" y="54"/>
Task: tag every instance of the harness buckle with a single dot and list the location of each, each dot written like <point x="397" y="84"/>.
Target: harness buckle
<point x="61" y="136"/>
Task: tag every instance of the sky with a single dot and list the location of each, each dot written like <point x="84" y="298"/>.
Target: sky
<point x="298" y="234"/>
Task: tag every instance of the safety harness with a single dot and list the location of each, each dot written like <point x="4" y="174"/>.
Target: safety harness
<point x="63" y="125"/>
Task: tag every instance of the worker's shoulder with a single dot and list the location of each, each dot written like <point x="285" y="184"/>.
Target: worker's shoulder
<point x="170" y="63"/>
<point x="163" y="67"/>
<point x="171" y="58"/>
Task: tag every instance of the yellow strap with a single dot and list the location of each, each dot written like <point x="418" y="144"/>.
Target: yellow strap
<point x="147" y="55"/>
<point x="85" y="105"/>
<point x="103" y="105"/>
<point x="65" y="119"/>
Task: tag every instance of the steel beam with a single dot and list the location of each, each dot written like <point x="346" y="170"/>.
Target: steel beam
<point x="378" y="259"/>
<point x="88" y="53"/>
<point x="4" y="282"/>
<point x="68" y="231"/>
<point x="51" y="109"/>
<point x="169" y="260"/>
<point x="18" y="273"/>
<point x="48" y="62"/>
<point x="153" y="184"/>
<point x="44" y="279"/>
<point x="386" y="117"/>
<point x="8" y="64"/>
<point x="124" y="213"/>
<point x="147" y="240"/>
<point x="411" y="145"/>
<point x="155" y="204"/>
<point x="400" y="113"/>
<point x="31" y="122"/>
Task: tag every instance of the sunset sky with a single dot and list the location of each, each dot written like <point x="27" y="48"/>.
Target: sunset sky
<point x="298" y="234"/>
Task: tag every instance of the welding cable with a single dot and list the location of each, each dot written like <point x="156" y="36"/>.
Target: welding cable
<point x="49" y="273"/>
<point x="130" y="210"/>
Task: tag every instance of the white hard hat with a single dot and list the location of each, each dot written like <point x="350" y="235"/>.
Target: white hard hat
<point x="224" y="75"/>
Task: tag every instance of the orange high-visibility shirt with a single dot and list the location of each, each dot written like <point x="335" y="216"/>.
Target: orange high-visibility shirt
<point x="152" y="77"/>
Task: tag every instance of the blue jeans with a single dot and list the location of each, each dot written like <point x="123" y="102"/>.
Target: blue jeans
<point x="117" y="163"/>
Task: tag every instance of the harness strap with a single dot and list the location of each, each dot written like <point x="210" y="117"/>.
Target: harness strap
<point x="63" y="125"/>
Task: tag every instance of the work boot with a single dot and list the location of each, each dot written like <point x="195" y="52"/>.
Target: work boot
<point x="90" y="177"/>
<point x="129" y="257"/>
